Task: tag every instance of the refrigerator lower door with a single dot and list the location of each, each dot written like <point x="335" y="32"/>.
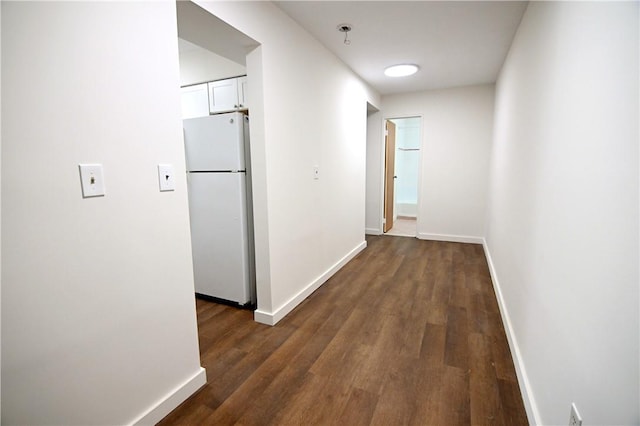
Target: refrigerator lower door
<point x="218" y="212"/>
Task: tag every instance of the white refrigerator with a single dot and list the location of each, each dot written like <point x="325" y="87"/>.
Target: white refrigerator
<point x="216" y="149"/>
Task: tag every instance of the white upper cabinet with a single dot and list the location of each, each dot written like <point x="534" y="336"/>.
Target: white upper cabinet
<point x="223" y="95"/>
<point x="195" y="101"/>
<point x="228" y="95"/>
<point x="214" y="97"/>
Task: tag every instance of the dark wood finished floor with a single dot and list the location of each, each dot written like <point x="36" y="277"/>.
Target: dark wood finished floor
<point x="408" y="332"/>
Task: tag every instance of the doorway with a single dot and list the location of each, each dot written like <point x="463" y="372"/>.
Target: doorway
<point x="213" y="50"/>
<point x="401" y="175"/>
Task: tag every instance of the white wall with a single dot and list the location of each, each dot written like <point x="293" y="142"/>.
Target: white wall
<point x="456" y="146"/>
<point x="198" y="65"/>
<point x="98" y="315"/>
<point x="563" y="212"/>
<point x="314" y="112"/>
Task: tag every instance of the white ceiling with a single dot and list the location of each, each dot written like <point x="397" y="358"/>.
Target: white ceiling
<point x="453" y="43"/>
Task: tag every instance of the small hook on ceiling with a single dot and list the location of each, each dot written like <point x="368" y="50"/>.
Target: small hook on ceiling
<point x="345" y="28"/>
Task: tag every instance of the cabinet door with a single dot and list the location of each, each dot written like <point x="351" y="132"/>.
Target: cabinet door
<point x="195" y="101"/>
<point x="242" y="93"/>
<point x="223" y="95"/>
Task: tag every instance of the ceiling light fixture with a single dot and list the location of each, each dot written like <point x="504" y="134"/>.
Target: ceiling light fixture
<point x="402" y="70"/>
<point x="345" y="28"/>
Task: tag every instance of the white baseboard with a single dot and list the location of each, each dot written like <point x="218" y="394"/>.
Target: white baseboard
<point x="451" y="238"/>
<point x="263" y="317"/>
<point x="173" y="399"/>
<point x="525" y="387"/>
<point x="273" y="318"/>
<point x="372" y="231"/>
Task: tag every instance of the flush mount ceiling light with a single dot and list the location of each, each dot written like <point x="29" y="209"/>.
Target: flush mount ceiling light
<point x="402" y="70"/>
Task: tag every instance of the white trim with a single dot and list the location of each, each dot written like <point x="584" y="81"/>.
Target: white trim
<point x="372" y="231"/>
<point x="273" y="318"/>
<point x="530" y="406"/>
<point x="263" y="317"/>
<point x="383" y="170"/>
<point x="173" y="399"/>
<point x="450" y="238"/>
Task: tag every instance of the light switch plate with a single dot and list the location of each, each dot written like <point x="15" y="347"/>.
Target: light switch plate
<point x="166" y="177"/>
<point x="92" y="180"/>
<point x="316" y="172"/>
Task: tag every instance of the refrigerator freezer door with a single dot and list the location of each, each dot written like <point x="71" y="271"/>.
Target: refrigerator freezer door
<point x="217" y="208"/>
<point x="215" y="142"/>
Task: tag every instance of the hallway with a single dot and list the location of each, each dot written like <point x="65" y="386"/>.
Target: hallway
<point x="407" y="333"/>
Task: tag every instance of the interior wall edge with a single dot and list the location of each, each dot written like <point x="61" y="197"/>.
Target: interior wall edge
<point x="0" y="216"/>
<point x="172" y="400"/>
<point x="373" y="231"/>
<point x="533" y="415"/>
<point x="272" y="318"/>
<point x="259" y="187"/>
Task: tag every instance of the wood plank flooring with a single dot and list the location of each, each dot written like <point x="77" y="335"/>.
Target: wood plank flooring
<point x="407" y="333"/>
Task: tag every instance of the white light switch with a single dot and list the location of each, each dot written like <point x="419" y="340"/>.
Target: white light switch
<point x="316" y="172"/>
<point x="166" y="177"/>
<point x="92" y="180"/>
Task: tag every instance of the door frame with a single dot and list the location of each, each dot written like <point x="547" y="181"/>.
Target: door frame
<point x="389" y="206"/>
<point x="252" y="55"/>
<point x="383" y="171"/>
